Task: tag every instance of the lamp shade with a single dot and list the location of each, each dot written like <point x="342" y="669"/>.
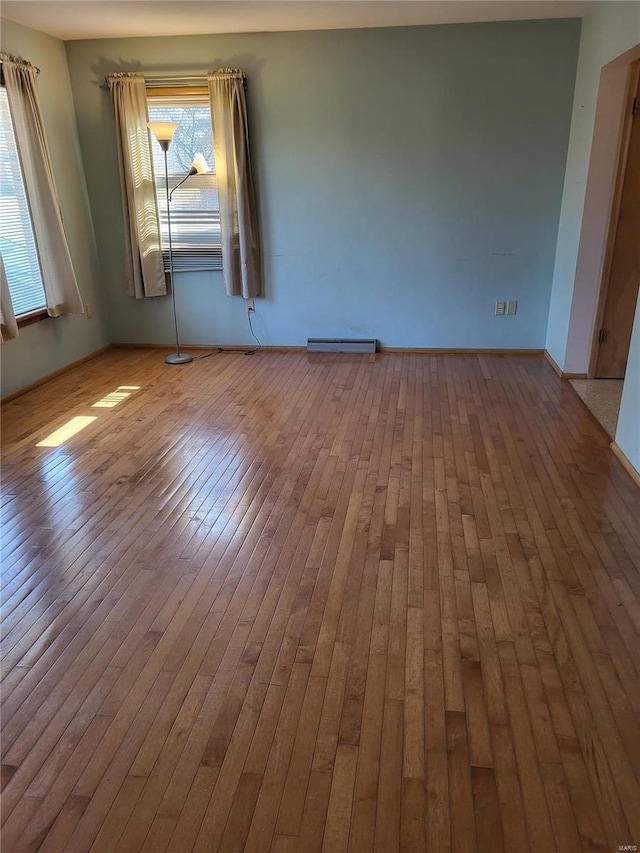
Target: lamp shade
<point x="163" y="130"/>
<point x="199" y="165"/>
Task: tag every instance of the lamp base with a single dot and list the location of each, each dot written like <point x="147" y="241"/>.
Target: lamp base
<point x="178" y="358"/>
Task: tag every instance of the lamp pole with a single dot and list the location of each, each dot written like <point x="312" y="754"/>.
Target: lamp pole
<point x="163" y="131"/>
<point x="177" y="357"/>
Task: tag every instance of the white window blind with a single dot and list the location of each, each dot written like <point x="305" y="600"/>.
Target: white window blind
<point x="17" y="243"/>
<point x="195" y="213"/>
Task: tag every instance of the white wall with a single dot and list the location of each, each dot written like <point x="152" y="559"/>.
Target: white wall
<point x="607" y="33"/>
<point x="51" y="344"/>
<point x="628" y="431"/>
<point x="610" y="37"/>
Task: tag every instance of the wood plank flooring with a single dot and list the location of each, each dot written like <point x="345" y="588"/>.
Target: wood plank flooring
<point x="314" y="604"/>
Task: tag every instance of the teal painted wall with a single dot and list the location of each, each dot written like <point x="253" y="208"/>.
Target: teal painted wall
<point x="53" y="343"/>
<point x="407" y="178"/>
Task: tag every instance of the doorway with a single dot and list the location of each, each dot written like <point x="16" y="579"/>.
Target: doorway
<point x="621" y="268"/>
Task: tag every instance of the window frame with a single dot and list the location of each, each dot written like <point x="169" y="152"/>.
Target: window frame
<point x="34" y="313"/>
<point x="30" y="317"/>
<point x="209" y="258"/>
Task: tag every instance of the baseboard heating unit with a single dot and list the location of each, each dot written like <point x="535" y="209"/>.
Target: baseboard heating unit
<point x="341" y="345"/>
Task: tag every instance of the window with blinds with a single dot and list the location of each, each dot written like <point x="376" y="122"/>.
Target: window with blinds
<point x="195" y="213"/>
<point x="17" y="243"/>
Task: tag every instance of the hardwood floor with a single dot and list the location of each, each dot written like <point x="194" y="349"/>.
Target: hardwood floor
<point x="318" y="603"/>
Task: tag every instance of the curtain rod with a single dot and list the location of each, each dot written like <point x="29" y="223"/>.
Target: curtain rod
<point x="158" y="79"/>
<point x="7" y="57"/>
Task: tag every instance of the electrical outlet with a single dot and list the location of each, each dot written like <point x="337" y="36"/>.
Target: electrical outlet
<point x="499" y="309"/>
<point x="512" y="306"/>
<point x="251" y="306"/>
<point x="89" y="310"/>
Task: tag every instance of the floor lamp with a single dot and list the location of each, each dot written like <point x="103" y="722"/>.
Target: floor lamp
<point x="163" y="132"/>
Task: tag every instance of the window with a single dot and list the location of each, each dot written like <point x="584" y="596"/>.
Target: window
<point x="195" y="214"/>
<point x="17" y="242"/>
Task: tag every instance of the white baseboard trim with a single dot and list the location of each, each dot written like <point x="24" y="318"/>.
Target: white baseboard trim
<point x="557" y="369"/>
<point x="628" y="467"/>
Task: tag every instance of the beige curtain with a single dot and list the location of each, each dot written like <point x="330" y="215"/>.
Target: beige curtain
<point x="58" y="277"/>
<point x="143" y="253"/>
<point x="238" y="219"/>
<point x="8" y="325"/>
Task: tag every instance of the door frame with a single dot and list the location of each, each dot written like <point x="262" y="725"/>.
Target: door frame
<point x="633" y="79"/>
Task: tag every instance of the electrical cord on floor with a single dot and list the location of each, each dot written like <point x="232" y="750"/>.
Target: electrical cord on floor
<point x="252" y="351"/>
<point x="209" y="354"/>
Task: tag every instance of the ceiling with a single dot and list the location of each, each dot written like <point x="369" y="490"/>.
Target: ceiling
<point x="88" y="19"/>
